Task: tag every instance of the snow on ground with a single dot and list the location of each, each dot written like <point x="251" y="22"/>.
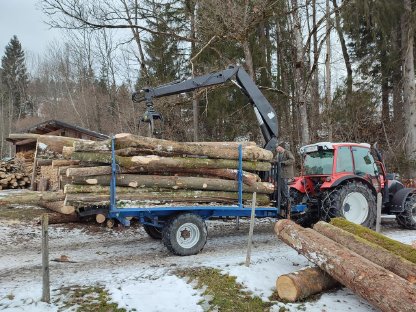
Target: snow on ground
<point x="139" y="273"/>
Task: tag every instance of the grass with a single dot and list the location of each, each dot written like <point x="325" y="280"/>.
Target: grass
<point x="224" y="293"/>
<point x="22" y="213"/>
<point x="89" y="299"/>
<point x="398" y="248"/>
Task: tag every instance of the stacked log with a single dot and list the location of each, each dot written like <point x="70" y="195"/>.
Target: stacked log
<point x="154" y="171"/>
<point x="13" y="176"/>
<point x="359" y="265"/>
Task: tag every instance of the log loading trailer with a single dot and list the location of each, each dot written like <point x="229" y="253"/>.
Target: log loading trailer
<point x="182" y="228"/>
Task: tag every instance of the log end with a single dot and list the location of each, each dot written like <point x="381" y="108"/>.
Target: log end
<point x="122" y="135"/>
<point x="286" y="289"/>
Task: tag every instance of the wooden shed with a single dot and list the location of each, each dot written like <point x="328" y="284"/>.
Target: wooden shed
<point x="54" y="127"/>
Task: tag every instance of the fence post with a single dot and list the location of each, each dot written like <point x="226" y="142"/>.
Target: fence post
<point x="46" y="296"/>
<point x="250" y="234"/>
<point x="378" y="216"/>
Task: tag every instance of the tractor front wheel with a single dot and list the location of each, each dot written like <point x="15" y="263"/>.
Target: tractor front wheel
<point x="407" y="218"/>
<point x="353" y="201"/>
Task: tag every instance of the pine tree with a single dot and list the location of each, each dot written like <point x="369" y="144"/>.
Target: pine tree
<point x="14" y="76"/>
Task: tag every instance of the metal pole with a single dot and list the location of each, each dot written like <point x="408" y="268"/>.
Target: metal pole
<point x="250" y="234"/>
<point x="378" y="219"/>
<point x="46" y="295"/>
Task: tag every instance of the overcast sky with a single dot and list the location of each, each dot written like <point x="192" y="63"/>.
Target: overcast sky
<point x="24" y="19"/>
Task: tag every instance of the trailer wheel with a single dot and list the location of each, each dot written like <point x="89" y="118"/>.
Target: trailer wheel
<point x="185" y="234"/>
<point x="407" y="218"/>
<point x="153" y="231"/>
<point x="353" y="201"/>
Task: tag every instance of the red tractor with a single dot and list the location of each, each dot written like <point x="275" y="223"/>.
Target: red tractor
<point x="342" y="180"/>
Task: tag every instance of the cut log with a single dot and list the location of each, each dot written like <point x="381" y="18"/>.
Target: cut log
<point x="100" y="218"/>
<point x="56" y="143"/>
<point x="153" y="162"/>
<point x="145" y="197"/>
<point x="146" y="144"/>
<point x="29" y="197"/>
<point x="67" y="152"/>
<point x="57" y="218"/>
<point x="43" y="162"/>
<point x="248" y="177"/>
<point x="403" y="250"/>
<point x="303" y="283"/>
<point x="58" y="206"/>
<point x="174" y="182"/>
<point x="372" y="252"/>
<point x="64" y="162"/>
<point x="362" y="276"/>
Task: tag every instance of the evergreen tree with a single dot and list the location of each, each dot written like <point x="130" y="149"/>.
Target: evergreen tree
<point x="14" y="76"/>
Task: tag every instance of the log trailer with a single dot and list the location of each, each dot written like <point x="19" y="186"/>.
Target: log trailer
<point x="339" y="179"/>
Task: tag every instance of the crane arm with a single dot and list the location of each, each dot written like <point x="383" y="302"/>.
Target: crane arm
<point x="265" y="114"/>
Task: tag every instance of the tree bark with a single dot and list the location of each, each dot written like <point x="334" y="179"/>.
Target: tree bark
<point x="58" y="206"/>
<point x="409" y="101"/>
<point x="231" y="174"/>
<point x="328" y="94"/>
<point x="143" y="197"/>
<point x="175" y="182"/>
<point x="362" y="276"/>
<point x="125" y="140"/>
<point x="153" y="162"/>
<point x="57" y="218"/>
<point x="370" y="251"/>
<point x="64" y="162"/>
<point x="303" y="283"/>
<point x="403" y="250"/>
<point x="30" y="197"/>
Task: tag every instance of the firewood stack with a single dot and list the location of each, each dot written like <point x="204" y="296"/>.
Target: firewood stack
<point x="154" y="171"/>
<point x="13" y="176"/>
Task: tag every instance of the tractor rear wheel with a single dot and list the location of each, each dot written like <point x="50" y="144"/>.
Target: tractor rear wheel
<point x="407" y="218"/>
<point x="353" y="201"/>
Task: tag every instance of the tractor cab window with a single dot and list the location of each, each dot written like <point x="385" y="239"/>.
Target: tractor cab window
<point x="319" y="162"/>
<point x="364" y="161"/>
<point x="344" y="159"/>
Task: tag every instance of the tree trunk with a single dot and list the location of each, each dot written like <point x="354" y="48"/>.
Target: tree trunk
<point x="30" y="197"/>
<point x="58" y="206"/>
<point x="125" y="140"/>
<point x="403" y="250"/>
<point x="303" y="283"/>
<point x="362" y="276"/>
<point x="300" y="83"/>
<point x="175" y="182"/>
<point x="64" y="162"/>
<point x="409" y="101"/>
<point x="231" y="174"/>
<point x="328" y="94"/>
<point x="152" y="162"/>
<point x="142" y="197"/>
<point x="370" y="251"/>
<point x="57" y="218"/>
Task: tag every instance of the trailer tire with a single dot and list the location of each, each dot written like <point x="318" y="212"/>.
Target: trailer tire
<point x="407" y="218"/>
<point x="153" y="231"/>
<point x="185" y="234"/>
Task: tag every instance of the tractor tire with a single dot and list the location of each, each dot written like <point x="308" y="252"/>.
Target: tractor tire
<point x="185" y="234"/>
<point x="153" y="231"/>
<point x="407" y="218"/>
<point x="353" y="201"/>
<point x="306" y="218"/>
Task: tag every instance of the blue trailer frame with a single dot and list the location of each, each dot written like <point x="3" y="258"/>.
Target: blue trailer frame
<point x="155" y="215"/>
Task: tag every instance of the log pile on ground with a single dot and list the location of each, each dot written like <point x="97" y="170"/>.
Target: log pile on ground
<point x="365" y="267"/>
<point x="13" y="175"/>
<point x="154" y="171"/>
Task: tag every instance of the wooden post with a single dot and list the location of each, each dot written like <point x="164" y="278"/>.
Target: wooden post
<point x="250" y="234"/>
<point x="237" y="223"/>
<point x="378" y="218"/>
<point x="46" y="296"/>
<point x="35" y="165"/>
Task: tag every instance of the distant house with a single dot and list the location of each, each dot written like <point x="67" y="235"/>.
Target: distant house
<point x="54" y="127"/>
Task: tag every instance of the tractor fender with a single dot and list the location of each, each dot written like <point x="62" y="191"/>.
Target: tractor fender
<point x="345" y="178"/>
<point x="399" y="199"/>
